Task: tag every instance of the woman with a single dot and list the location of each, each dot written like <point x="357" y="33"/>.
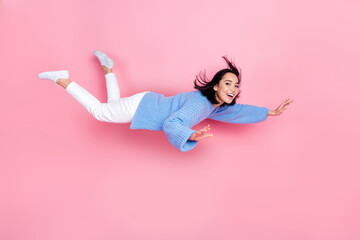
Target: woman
<point x="174" y="115"/>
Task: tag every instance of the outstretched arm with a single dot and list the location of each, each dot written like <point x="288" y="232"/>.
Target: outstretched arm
<point x="203" y="133"/>
<point x="281" y="108"/>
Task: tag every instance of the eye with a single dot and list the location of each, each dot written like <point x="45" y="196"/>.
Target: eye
<point x="227" y="84"/>
<point x="237" y="86"/>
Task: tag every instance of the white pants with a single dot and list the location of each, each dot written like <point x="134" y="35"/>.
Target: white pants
<point x="116" y="110"/>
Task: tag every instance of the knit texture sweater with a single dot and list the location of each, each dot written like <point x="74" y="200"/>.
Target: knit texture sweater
<point x="176" y="115"/>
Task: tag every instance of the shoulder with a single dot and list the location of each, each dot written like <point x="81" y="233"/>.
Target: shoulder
<point x="191" y="96"/>
<point x="194" y="102"/>
<point x="198" y="95"/>
<point x="191" y="93"/>
<point x="198" y="100"/>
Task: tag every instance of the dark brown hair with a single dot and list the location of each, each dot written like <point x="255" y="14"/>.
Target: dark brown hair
<point x="206" y="87"/>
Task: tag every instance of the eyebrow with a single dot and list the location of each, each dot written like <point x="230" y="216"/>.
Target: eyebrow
<point x="230" y="81"/>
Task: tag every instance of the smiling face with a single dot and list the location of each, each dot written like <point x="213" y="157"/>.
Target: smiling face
<point x="227" y="89"/>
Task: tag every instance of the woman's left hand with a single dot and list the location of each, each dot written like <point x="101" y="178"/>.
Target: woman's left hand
<point x="281" y="108"/>
<point x="201" y="134"/>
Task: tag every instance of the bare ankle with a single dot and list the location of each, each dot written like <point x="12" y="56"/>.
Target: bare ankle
<point x="64" y="82"/>
<point x="107" y="70"/>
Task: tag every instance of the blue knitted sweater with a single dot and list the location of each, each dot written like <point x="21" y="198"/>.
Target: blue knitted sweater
<point x="176" y="115"/>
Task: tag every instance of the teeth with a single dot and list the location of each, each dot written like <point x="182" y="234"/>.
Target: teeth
<point x="230" y="95"/>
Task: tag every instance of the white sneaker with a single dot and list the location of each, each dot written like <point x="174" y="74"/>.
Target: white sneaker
<point x="104" y="59"/>
<point x="54" y="75"/>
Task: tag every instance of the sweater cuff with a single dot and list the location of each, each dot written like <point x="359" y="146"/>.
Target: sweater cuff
<point x="184" y="143"/>
<point x="266" y="112"/>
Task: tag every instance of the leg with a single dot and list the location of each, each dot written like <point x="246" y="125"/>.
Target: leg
<point x="124" y="109"/>
<point x="107" y="112"/>
<point x="117" y="110"/>
<point x="121" y="111"/>
<point x="64" y="82"/>
<point x="112" y="87"/>
<point x="113" y="91"/>
<point x="87" y="100"/>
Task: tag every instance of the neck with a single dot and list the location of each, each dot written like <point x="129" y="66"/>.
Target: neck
<point x="218" y="104"/>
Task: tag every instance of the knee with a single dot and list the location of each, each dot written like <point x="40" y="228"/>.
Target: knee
<point x="97" y="111"/>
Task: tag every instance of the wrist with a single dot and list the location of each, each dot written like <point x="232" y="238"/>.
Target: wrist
<point x="271" y="113"/>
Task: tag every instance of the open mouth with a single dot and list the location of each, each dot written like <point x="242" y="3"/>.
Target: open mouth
<point x="230" y="95"/>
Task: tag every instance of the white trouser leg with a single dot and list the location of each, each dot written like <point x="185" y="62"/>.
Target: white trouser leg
<point x="119" y="111"/>
<point x="113" y="91"/>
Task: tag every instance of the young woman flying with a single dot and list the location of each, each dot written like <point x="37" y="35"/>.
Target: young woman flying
<point x="175" y="115"/>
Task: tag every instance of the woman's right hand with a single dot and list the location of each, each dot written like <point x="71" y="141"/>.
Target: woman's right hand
<point x="281" y="108"/>
<point x="201" y="134"/>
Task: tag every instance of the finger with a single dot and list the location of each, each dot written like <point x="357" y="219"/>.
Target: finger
<point x="194" y="136"/>
<point x="282" y="104"/>
<point x="205" y="129"/>
<point x="289" y="102"/>
<point x="197" y="134"/>
<point x="283" y="109"/>
<point x="204" y="136"/>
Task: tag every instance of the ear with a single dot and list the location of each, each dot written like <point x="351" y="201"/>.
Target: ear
<point x="215" y="87"/>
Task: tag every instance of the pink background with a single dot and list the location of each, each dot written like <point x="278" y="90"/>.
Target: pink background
<point x="64" y="175"/>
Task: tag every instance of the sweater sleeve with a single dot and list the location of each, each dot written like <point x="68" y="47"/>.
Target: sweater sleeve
<point x="177" y="127"/>
<point x="241" y="113"/>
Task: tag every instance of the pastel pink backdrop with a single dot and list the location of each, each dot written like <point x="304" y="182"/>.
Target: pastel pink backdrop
<point x="64" y="175"/>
